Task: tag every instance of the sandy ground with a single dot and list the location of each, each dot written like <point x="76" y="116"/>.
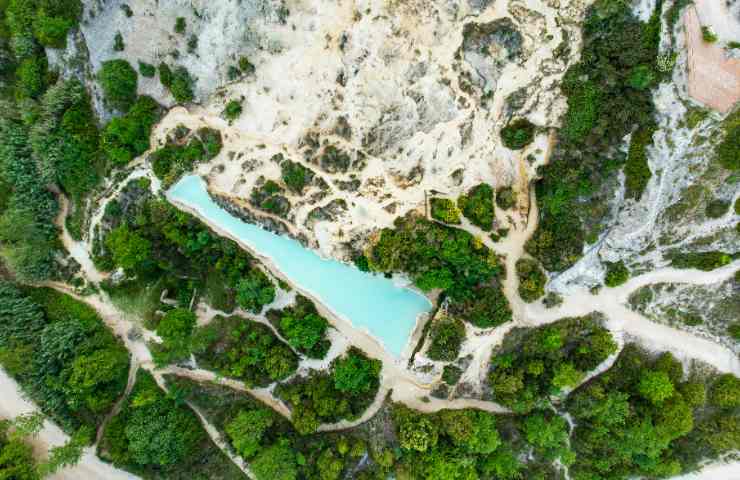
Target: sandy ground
<point x="714" y="78"/>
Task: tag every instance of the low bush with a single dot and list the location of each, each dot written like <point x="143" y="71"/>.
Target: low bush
<point x="728" y="150"/>
<point x="173" y="160"/>
<point x="636" y="170"/>
<point x="147" y="70"/>
<point x="717" y="208"/>
<point x="269" y="197"/>
<point x="505" y="198"/>
<point x="233" y="110"/>
<point x="445" y="210"/>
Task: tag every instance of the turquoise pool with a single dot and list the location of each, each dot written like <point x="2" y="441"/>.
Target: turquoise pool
<point x="372" y="302"/>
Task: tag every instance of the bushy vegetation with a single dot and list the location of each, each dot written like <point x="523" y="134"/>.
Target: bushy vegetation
<point x="446" y="258"/>
<point x="44" y="21"/>
<point x="505" y="198"/>
<point x="445" y="210"/>
<point x="343" y="393"/>
<point x="705" y="261"/>
<point x="616" y="274"/>
<point x="518" y="134"/>
<point x="17" y="461"/>
<point x="233" y="110"/>
<point x="147" y="69"/>
<point x="127" y="137"/>
<point x="158" y="245"/>
<point x="61" y="354"/>
<point x="446" y="337"/>
<point x="175" y="159"/>
<point x="155" y="436"/>
<point x="477" y="206"/>
<point x="303" y="327"/>
<point x="178" y="82"/>
<point x="245" y="350"/>
<point x="532" y="279"/>
<point x="636" y="171"/>
<point x="176" y="331"/>
<point x="269" y="196"/>
<point x="295" y="176"/>
<point x="119" y="81"/>
<point x="536" y="363"/>
<point x="638" y="419"/>
<point x="609" y="96"/>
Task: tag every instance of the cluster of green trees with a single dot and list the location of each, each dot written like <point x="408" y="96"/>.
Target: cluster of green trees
<point x="175" y="159"/>
<point x="440" y="257"/>
<point x="61" y="354"/>
<point x="303" y="327"/>
<point x="608" y="94"/>
<point x="534" y="364"/>
<point x="532" y="279"/>
<point x="154" y="242"/>
<point x="126" y="137"/>
<point x="273" y="448"/>
<point x="344" y="392"/>
<point x="16" y="455"/>
<point x="156" y="436"/>
<point x="270" y="197"/>
<point x="642" y="418"/>
<point x="245" y="350"/>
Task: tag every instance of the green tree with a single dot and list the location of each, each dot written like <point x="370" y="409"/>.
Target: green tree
<point x="119" y="82"/>
<point x="277" y="462"/>
<point x="355" y="373"/>
<point x="255" y="291"/>
<point x="247" y="429"/>
<point x="97" y="378"/>
<point x="416" y="431"/>
<point x="304" y="333"/>
<point x="655" y="386"/>
<point x="129" y="249"/>
<point x="725" y="392"/>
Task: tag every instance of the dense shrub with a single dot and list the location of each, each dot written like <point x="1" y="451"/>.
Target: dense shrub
<point x="127" y="137"/>
<point x="269" y="197"/>
<point x="295" y="176"/>
<point x="705" y="261"/>
<point x="477" y="206"/>
<point x="604" y="105"/>
<point x="717" y="208"/>
<point x="173" y="160"/>
<point x="337" y="395"/>
<point x="178" y="82"/>
<point x="303" y="327"/>
<point x="446" y="337"/>
<point x="119" y="82"/>
<point x="233" y="110"/>
<point x="518" y="134"/>
<point x="445" y="210"/>
<point x="636" y="170"/>
<point x="485" y="307"/>
<point x="32" y="76"/>
<point x="505" y="198"/>
<point x="532" y="279"/>
<point x="245" y="350"/>
<point x="147" y="70"/>
<point x="728" y="150"/>
<point x="254" y="291"/>
<point x="180" y="25"/>
<point x="534" y="363"/>
<point x="176" y="331"/>
<point x="616" y="274"/>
